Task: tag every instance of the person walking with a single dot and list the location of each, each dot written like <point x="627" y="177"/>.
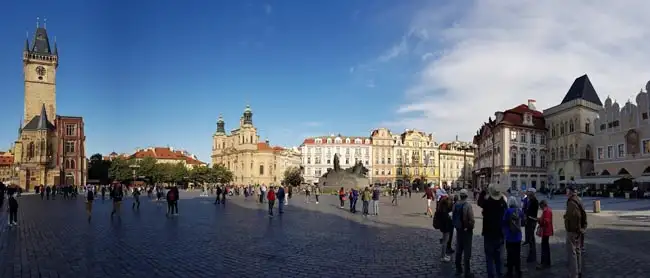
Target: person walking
<point x="365" y="199"/>
<point x="172" y="201"/>
<point x="117" y="194"/>
<point x="513" y="220"/>
<point x="354" y="197"/>
<point x="90" y="198"/>
<point x="280" y="195"/>
<point x="442" y="221"/>
<point x="136" y="198"/>
<point x="271" y="198"/>
<point x="494" y="207"/>
<point x="316" y="193"/>
<point x="307" y="194"/>
<point x="463" y="219"/>
<point x="13" y="210"/>
<point x="376" y="192"/>
<point x="262" y="193"/>
<point x="395" y="193"/>
<point x="531" y="211"/>
<point x="428" y="193"/>
<point x="575" y="224"/>
<point x="342" y="197"/>
<point x="217" y="200"/>
<point x="545" y="231"/>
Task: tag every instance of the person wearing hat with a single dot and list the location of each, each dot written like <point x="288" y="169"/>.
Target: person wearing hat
<point x="463" y="220"/>
<point x="494" y="206"/>
<point x="575" y="224"/>
<point x="531" y="210"/>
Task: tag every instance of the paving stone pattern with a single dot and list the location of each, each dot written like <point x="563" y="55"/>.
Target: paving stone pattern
<point x="54" y="239"/>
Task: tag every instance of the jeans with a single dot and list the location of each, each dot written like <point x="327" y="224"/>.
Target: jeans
<point x="281" y="205"/>
<point x="443" y="244"/>
<point x="492" y="247"/>
<point x="574" y="253"/>
<point x="463" y="250"/>
<point x="546" y="252"/>
<point x="262" y="194"/>
<point x="271" y="204"/>
<point x="513" y="250"/>
<point x="342" y="201"/>
<point x="375" y="207"/>
<point x="530" y="239"/>
<point x="365" y="207"/>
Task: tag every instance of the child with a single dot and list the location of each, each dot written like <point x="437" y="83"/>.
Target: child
<point x="13" y="210"/>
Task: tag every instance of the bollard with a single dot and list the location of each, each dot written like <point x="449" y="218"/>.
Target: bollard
<point x="596" y="206"/>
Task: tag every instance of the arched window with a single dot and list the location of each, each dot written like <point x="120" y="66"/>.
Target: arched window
<point x="73" y="164"/>
<point x="30" y="150"/>
<point x="571" y="151"/>
<point x="67" y="164"/>
<point x="588" y="152"/>
<point x="513" y="156"/>
<point x="347" y="140"/>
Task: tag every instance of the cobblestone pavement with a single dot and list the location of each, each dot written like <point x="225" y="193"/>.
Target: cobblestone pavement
<point x="54" y="239"/>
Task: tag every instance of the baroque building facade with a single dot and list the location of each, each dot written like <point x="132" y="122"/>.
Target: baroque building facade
<point x="416" y="158"/>
<point x="251" y="161"/>
<point x="383" y="156"/>
<point x="166" y="155"/>
<point x="621" y="143"/>
<point x="318" y="154"/>
<point x="50" y="149"/>
<point x="456" y="163"/>
<point x="511" y="149"/>
<point x="571" y="128"/>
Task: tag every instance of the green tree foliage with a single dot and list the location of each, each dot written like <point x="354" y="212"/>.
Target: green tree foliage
<point x="293" y="176"/>
<point x="222" y="174"/>
<point x="98" y="169"/>
<point x="119" y="170"/>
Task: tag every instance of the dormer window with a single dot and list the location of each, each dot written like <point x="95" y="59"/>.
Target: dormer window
<point x="347" y="140"/>
<point x="528" y="119"/>
<point x="329" y="140"/>
<point x="337" y="141"/>
<point x="319" y="141"/>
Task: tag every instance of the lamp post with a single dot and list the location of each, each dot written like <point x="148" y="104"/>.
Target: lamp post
<point x="465" y="147"/>
<point x="134" y="167"/>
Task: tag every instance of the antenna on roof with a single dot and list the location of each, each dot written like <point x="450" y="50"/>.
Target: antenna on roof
<point x="45" y="23"/>
<point x="38" y="19"/>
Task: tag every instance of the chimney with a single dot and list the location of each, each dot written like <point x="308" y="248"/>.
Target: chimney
<point x="531" y="104"/>
<point x="267" y="141"/>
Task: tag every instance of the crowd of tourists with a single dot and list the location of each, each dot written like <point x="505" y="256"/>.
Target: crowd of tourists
<point x="507" y="221"/>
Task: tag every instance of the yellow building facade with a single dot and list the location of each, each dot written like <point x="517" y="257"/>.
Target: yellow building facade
<point x="251" y="161"/>
<point x="456" y="163"/>
<point x="416" y="158"/>
<point x="383" y="157"/>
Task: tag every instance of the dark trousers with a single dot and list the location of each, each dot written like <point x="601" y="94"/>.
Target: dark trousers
<point x="316" y="197"/>
<point x="172" y="207"/>
<point x="449" y="242"/>
<point x="13" y="215"/>
<point x="2" y="200"/>
<point x="342" y="201"/>
<point x="492" y="247"/>
<point x="271" y="204"/>
<point x="217" y="200"/>
<point x="513" y="250"/>
<point x="463" y="250"/>
<point x="136" y="203"/>
<point x="546" y="252"/>
<point x="365" y="208"/>
<point x="530" y="239"/>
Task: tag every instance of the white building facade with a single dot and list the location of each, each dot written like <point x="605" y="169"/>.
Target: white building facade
<point x="511" y="149"/>
<point x="456" y="163"/>
<point x="317" y="154"/>
<point x="571" y="128"/>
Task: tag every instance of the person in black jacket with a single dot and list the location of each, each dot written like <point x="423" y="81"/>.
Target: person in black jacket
<point x="3" y="188"/>
<point x="443" y="220"/>
<point x="494" y="206"/>
<point x="13" y="210"/>
<point x="531" y="223"/>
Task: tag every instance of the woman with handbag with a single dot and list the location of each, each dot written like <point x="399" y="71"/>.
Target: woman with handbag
<point x="545" y="231"/>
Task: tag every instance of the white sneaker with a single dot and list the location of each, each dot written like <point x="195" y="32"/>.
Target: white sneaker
<point x="15" y="223"/>
<point x="446" y="259"/>
<point x="316" y="202"/>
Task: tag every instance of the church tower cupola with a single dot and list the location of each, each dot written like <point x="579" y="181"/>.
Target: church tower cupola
<point x="221" y="125"/>
<point x="248" y="115"/>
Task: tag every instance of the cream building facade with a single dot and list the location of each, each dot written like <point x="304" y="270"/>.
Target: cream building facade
<point x="621" y="143"/>
<point x="456" y="163"/>
<point x="571" y="128"/>
<point x="318" y="154"/>
<point x="511" y="149"/>
<point x="251" y="161"/>
<point x="383" y="156"/>
<point x="416" y="158"/>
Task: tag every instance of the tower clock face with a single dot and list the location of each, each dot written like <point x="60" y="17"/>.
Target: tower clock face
<point x="40" y="70"/>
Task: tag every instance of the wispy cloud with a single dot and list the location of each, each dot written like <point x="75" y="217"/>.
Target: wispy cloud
<point x="371" y="84"/>
<point x="495" y="54"/>
<point x="395" y="51"/>
<point x="268" y="9"/>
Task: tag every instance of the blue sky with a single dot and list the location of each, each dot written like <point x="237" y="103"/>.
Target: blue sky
<point x="144" y="74"/>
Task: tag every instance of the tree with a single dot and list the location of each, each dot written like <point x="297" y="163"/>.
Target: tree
<point x="293" y="176"/>
<point x="199" y="175"/>
<point x="119" y="170"/>
<point x="221" y="174"/>
<point x="99" y="169"/>
<point x="148" y="167"/>
<point x="178" y="173"/>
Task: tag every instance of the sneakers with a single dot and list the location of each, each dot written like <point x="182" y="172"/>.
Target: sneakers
<point x="445" y="259"/>
<point x="317" y="203"/>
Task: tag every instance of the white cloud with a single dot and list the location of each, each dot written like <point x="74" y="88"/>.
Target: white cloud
<point x="496" y="54"/>
<point x="268" y="9"/>
<point x="371" y="84"/>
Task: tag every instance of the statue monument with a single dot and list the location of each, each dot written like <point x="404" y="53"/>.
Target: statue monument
<point x="355" y="176"/>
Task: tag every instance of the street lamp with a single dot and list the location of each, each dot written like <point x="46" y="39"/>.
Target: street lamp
<point x="134" y="167"/>
<point x="465" y="147"/>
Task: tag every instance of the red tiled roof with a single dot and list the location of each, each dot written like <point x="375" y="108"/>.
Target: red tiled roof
<point x="166" y="153"/>
<point x="513" y="117"/>
<point x="444" y="146"/>
<point x="266" y="147"/>
<point x="6" y="159"/>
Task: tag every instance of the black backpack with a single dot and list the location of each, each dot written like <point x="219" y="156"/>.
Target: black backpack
<point x="515" y="222"/>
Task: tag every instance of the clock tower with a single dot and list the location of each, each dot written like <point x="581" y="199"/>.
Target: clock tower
<point x="40" y="63"/>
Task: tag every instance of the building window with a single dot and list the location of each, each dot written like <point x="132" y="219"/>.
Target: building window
<point x="389" y="160"/>
<point x="542" y="160"/>
<point x="646" y="146"/>
<point x="571" y="151"/>
<point x="610" y="152"/>
<point x="329" y="162"/>
<point x="261" y="170"/>
<point x="347" y="160"/>
<point x="317" y="160"/>
<point x="553" y="155"/>
<point x="587" y="127"/>
<point x="533" y="159"/>
<point x="621" y="150"/>
<point x="69" y="146"/>
<point x="561" y="155"/>
<point x="308" y="160"/>
<point x="553" y="131"/>
<point x="70" y="130"/>
<point x="513" y="135"/>
<point x="533" y="138"/>
<point x="542" y="138"/>
<point x="522" y="161"/>
<point x="644" y="115"/>
<point x="571" y="126"/>
<point x="523" y="137"/>
<point x="70" y="164"/>
<point x="513" y="159"/>
<point x="601" y="153"/>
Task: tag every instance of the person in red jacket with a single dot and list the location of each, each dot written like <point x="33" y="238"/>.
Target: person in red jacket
<point x="545" y="230"/>
<point x="270" y="196"/>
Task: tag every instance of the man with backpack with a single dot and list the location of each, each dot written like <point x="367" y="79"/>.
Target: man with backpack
<point x="575" y="224"/>
<point x="463" y="220"/>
